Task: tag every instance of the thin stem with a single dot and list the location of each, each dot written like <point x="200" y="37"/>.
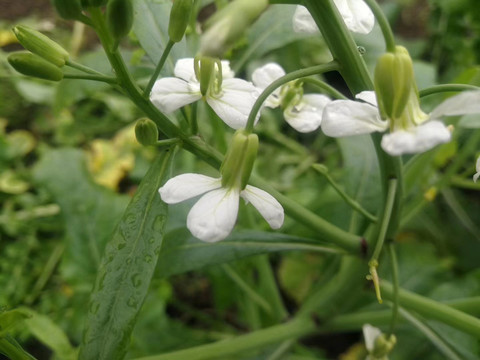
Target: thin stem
<point x="294" y="75"/>
<point x="251" y="293"/>
<point x="85" y="69"/>
<point x="326" y="87"/>
<point x="259" y="339"/>
<point x="384" y="24"/>
<point x="10" y="348"/>
<point x="447" y="88"/>
<point x="396" y="286"/>
<point x="105" y="79"/>
<point x="159" y="67"/>
<point x="434" y="310"/>
<point x="352" y="202"/>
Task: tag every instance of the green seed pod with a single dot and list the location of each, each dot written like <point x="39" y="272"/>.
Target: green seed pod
<point x="146" y="132"/>
<point x="32" y="65"/>
<point x="179" y="16"/>
<point x="41" y="45"/>
<point x="68" y="9"/>
<point x="119" y="18"/>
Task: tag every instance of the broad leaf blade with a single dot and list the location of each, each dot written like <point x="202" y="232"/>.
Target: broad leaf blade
<point x="126" y="269"/>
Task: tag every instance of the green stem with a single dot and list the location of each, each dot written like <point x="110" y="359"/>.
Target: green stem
<point x="396" y="286"/>
<point x="434" y="310"/>
<point x="105" y="79"/>
<point x="294" y="75"/>
<point x="83" y="68"/>
<point x="384" y="25"/>
<point x="159" y="67"/>
<point x="353" y="203"/>
<point x="10" y="348"/>
<point x="229" y="348"/>
<point x="447" y="88"/>
<point x="326" y="87"/>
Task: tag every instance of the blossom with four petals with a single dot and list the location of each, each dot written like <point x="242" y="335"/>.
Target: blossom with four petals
<point x="302" y="112"/>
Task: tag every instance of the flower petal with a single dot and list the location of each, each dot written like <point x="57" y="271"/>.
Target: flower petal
<point x="347" y="117"/>
<point x="185" y="70"/>
<point x="307" y="116"/>
<point x="235" y="102"/>
<point x="370" y="333"/>
<point x="303" y="21"/>
<point x="186" y="186"/>
<point x="357" y="15"/>
<point x="477" y="175"/>
<point x="368" y="96"/>
<point x="264" y="76"/>
<point x="465" y="103"/>
<point x="417" y="139"/>
<point x="169" y="94"/>
<point x="213" y="217"/>
<point x="266" y="204"/>
<point x="227" y="72"/>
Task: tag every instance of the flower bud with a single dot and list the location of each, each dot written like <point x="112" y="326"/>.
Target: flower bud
<point x="229" y="24"/>
<point x="291" y="94"/>
<point x="41" y="45"/>
<point x="32" y="65"/>
<point x="382" y="346"/>
<point x="394" y="82"/>
<point x="238" y="163"/>
<point x="68" y="9"/>
<point x="119" y="18"/>
<point x="179" y="16"/>
<point x="205" y="72"/>
<point x="146" y="132"/>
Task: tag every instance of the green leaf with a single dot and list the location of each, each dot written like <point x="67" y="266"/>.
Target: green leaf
<point x="12" y="349"/>
<point x="90" y="211"/>
<point x="50" y="334"/>
<point x="127" y="268"/>
<point x="151" y="28"/>
<point x="182" y="252"/>
<point x="9" y="319"/>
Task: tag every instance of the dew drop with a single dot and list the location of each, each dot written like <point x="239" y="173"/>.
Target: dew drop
<point x="148" y="259"/>
<point x="159" y="222"/>
<point x="151" y="240"/>
<point x="157" y="250"/>
<point x="128" y="261"/>
<point x="132" y="302"/>
<point x="361" y="50"/>
<point x="136" y="280"/>
<point x="94" y="306"/>
<point x="121" y="245"/>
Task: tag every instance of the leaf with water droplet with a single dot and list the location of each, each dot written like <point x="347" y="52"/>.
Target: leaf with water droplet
<point x="122" y="282"/>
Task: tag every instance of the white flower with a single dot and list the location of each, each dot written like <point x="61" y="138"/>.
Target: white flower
<point x="420" y="133"/>
<point x="231" y="101"/>
<point x="370" y="333"/>
<point x="377" y="344"/>
<point x="477" y="175"/>
<point x="357" y="16"/>
<point x="213" y="217"/>
<point x="302" y="112"/>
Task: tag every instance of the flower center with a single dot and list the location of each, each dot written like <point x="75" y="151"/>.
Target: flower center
<point x="209" y="74"/>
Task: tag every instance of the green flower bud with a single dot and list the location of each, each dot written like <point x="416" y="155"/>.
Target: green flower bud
<point x="238" y="163"/>
<point x="179" y="16"/>
<point x="146" y="132"/>
<point x="229" y="24"/>
<point x="394" y="82"/>
<point x="68" y="9"/>
<point x="119" y="17"/>
<point x="41" y="45"/>
<point x="32" y="65"/>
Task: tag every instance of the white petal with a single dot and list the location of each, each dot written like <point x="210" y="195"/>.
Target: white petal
<point x="417" y="139"/>
<point x="370" y="333"/>
<point x="307" y="116"/>
<point x="227" y="72"/>
<point x="266" y="204"/>
<point x="186" y="186"/>
<point x="357" y="15"/>
<point x="235" y="102"/>
<point x="368" y="96"/>
<point x="303" y="21"/>
<point x="462" y="104"/>
<point x="265" y="75"/>
<point x="213" y="217"/>
<point x="477" y="175"/>
<point x="347" y="117"/>
<point x="185" y="70"/>
<point x="169" y="94"/>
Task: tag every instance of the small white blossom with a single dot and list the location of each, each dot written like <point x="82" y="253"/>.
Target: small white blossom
<point x="477" y="175"/>
<point x="357" y="16"/>
<point x="421" y="133"/>
<point x="302" y="112"/>
<point x="214" y="215"/>
<point x="231" y="101"/>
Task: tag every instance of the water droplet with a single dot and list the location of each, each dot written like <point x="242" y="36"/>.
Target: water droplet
<point x="136" y="280"/>
<point x="121" y="245"/>
<point x="159" y="222"/>
<point x="361" y="50"/>
<point x="132" y="302"/>
<point x="157" y="250"/>
<point x="151" y="240"/>
<point x="128" y="261"/>
<point x="148" y="259"/>
<point x="94" y="306"/>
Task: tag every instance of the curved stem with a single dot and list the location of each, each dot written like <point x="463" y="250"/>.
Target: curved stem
<point x="447" y="88"/>
<point x="81" y="67"/>
<point x="384" y="25"/>
<point x="326" y="87"/>
<point x="105" y="79"/>
<point x="159" y="67"/>
<point x="396" y="286"/>
<point x="294" y="75"/>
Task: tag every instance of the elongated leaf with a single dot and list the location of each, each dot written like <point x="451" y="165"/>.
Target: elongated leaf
<point x="181" y="252"/>
<point x="126" y="269"/>
<point x="90" y="211"/>
<point x="151" y="28"/>
<point x="10" y="319"/>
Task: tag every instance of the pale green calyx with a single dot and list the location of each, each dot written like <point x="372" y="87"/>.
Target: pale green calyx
<point x="238" y="163"/>
<point x="146" y="132"/>
<point x="396" y="90"/>
<point x="383" y="346"/>
<point x="291" y="94"/>
<point x="209" y="74"/>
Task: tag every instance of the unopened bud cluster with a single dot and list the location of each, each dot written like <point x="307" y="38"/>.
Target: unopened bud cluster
<point x="146" y="132"/>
